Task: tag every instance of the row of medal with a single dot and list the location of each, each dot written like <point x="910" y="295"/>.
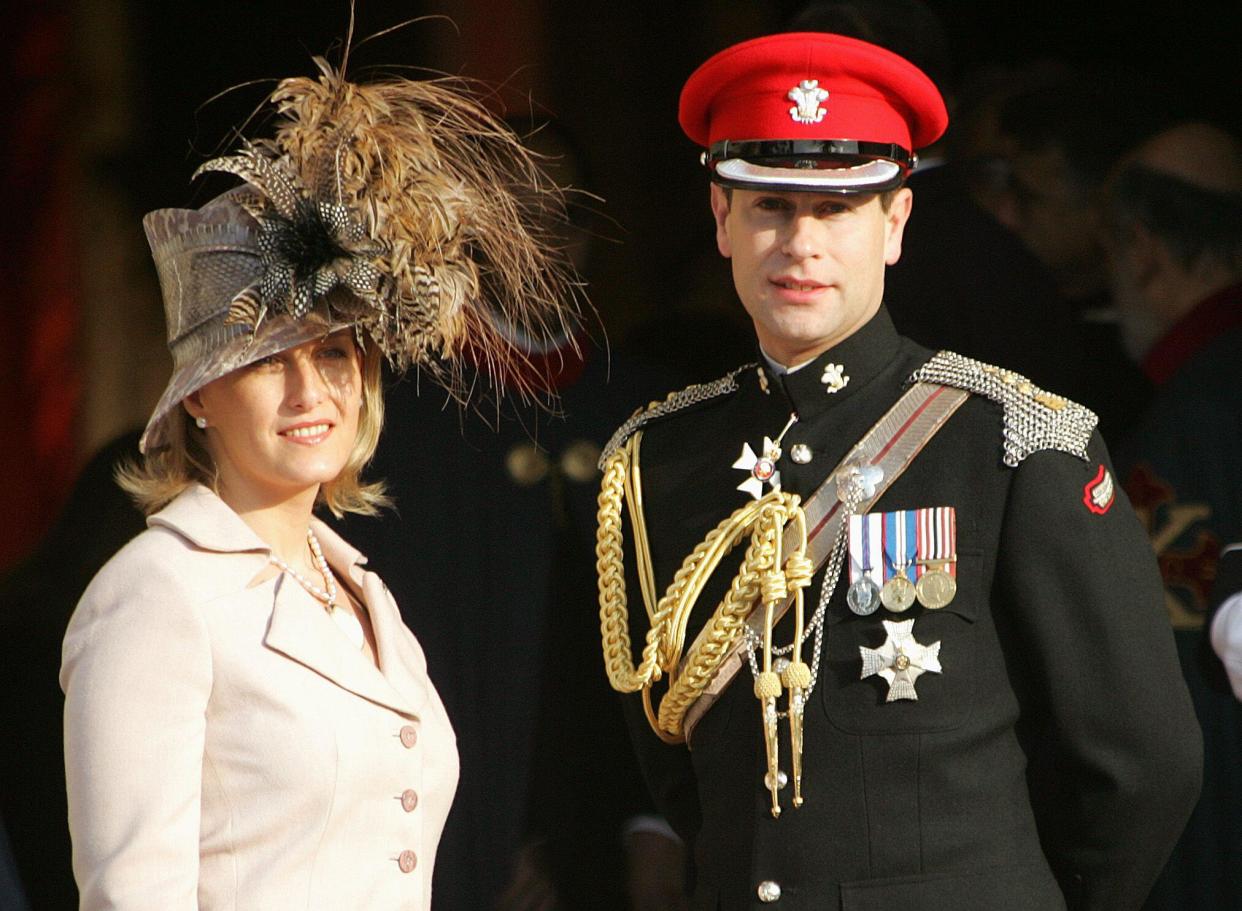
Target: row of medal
<point x="899" y="557"/>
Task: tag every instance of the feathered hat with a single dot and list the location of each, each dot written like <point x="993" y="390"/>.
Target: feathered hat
<point x="400" y="207"/>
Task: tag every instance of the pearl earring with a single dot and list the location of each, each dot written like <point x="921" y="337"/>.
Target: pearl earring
<point x="201" y="422"/>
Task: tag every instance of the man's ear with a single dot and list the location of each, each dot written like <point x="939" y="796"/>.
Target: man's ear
<point x="895" y="223"/>
<point x="720" y="209"/>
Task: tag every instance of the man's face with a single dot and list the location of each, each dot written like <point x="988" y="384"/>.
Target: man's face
<point x="1056" y="218"/>
<point x="808" y="267"/>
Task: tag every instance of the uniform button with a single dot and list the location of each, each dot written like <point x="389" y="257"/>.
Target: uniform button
<point x="800" y="453"/>
<point x="408" y="860"/>
<point x="580" y="460"/>
<point x="409" y="736"/>
<point x="527" y="464"/>
<point x="409" y="800"/>
<point x="769" y="891"/>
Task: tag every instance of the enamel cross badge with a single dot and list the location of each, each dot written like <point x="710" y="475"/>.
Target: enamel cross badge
<point x="762" y="469"/>
<point x="900" y="660"/>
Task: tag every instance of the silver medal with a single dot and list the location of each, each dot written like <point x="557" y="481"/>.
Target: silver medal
<point x="863" y="596"/>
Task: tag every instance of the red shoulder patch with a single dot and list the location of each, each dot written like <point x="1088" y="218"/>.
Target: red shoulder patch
<point x="1099" y="493"/>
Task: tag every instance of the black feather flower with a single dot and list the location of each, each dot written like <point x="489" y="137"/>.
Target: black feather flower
<point x="308" y="247"/>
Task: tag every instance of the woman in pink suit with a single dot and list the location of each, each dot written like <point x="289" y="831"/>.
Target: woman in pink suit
<point x="248" y="723"/>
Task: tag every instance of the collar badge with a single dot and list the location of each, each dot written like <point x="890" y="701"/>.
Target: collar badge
<point x="806" y="96"/>
<point x="834" y="378"/>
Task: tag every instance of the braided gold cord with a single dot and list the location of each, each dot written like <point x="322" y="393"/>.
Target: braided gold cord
<point x="690" y="579"/>
<point x="613" y="614"/>
<point x="763" y="520"/>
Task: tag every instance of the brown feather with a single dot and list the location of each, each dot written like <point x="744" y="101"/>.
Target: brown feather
<point x="456" y="198"/>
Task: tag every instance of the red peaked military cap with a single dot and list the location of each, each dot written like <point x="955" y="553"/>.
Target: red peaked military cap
<point x="811" y="111"/>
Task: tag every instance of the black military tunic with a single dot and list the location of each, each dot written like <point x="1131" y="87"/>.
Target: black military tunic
<point x="1054" y="760"/>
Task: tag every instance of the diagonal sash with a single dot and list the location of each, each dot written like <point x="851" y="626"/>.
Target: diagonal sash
<point x="891" y="444"/>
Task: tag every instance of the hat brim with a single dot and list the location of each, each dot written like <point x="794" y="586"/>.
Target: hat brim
<point x="274" y="336"/>
<point x="874" y="176"/>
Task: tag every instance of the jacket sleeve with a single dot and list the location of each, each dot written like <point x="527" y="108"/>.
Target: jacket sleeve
<point x="1115" y="753"/>
<point x="136" y="672"/>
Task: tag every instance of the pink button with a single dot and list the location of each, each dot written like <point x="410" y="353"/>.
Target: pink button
<point x="409" y="736"/>
<point x="409" y="800"/>
<point x="407" y="861"/>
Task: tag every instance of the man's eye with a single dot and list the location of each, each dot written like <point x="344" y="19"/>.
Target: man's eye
<point x="771" y="204"/>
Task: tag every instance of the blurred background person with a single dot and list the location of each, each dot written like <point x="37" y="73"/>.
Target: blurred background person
<point x="1061" y="138"/>
<point x="1175" y="238"/>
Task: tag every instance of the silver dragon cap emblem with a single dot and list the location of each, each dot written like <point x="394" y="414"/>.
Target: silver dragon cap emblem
<point x="807" y="96"/>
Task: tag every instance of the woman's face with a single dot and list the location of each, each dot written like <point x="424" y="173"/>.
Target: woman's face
<point x="286" y="424"/>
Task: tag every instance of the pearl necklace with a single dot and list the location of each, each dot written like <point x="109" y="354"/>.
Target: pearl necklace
<point x="343" y="617"/>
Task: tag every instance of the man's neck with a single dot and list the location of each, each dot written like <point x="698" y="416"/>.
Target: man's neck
<point x="780" y="369"/>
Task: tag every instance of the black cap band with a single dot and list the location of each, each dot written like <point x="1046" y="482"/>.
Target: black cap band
<point x="770" y="151"/>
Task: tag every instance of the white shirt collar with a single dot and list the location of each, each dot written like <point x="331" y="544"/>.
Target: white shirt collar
<point x="778" y="369"/>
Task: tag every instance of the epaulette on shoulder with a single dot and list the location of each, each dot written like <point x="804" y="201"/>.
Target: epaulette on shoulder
<point x="1035" y="419"/>
<point x="676" y="401"/>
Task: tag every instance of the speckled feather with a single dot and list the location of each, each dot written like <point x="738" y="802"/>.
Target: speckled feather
<point x="433" y="206"/>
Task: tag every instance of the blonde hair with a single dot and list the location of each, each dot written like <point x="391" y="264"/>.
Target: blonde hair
<point x="165" y="473"/>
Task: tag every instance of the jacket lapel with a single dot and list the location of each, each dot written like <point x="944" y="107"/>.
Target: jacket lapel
<point x="402" y="665"/>
<point x="397" y="658"/>
<point x="300" y="629"/>
<point x="303" y="631"/>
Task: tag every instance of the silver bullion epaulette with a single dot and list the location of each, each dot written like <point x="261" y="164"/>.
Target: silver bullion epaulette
<point x="676" y="401"/>
<point x="1035" y="419"/>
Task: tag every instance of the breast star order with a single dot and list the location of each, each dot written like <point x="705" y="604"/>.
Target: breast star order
<point x="900" y="660"/>
<point x="762" y="469"/>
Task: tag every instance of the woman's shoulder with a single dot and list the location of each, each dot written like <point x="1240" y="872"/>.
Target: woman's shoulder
<point x="189" y="555"/>
<point x="144" y="600"/>
<point x="156" y="558"/>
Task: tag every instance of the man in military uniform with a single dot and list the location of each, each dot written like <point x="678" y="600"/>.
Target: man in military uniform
<point x="941" y="676"/>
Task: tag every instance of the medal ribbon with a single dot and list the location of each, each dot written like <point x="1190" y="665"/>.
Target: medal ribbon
<point x="866" y="548"/>
<point x="937" y="531"/>
<point x="900" y="540"/>
<point x="858" y="547"/>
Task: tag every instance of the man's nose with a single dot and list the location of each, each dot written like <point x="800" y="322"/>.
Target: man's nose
<point x="804" y="239"/>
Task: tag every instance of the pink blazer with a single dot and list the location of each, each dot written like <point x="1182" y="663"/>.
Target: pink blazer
<point x="227" y="748"/>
